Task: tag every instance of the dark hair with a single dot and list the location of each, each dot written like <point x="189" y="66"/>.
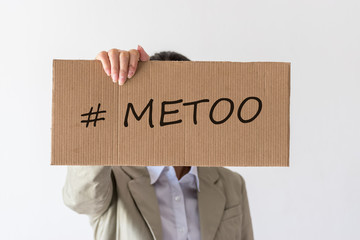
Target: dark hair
<point x="168" y="56"/>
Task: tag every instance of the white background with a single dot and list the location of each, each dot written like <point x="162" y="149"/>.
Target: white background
<point x="317" y="197"/>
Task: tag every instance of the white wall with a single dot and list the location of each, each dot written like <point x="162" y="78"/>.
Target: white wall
<point x="318" y="197"/>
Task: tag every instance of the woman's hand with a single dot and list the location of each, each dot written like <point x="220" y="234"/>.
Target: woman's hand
<point x="121" y="64"/>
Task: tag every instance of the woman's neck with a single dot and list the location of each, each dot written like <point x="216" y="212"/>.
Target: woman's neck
<point x="181" y="171"/>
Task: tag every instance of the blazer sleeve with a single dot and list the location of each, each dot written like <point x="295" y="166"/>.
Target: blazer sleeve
<point x="246" y="227"/>
<point x="88" y="189"/>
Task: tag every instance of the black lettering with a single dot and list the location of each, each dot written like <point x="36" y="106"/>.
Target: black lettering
<point x="195" y="107"/>
<point x="213" y="107"/>
<point x="130" y="106"/>
<point x="163" y="112"/>
<point x="242" y="105"/>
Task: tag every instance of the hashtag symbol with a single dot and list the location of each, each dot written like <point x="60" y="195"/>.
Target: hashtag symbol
<point x="92" y="113"/>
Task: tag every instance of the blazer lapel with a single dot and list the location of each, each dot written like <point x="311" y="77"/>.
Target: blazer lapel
<point x="211" y="202"/>
<point x="145" y="198"/>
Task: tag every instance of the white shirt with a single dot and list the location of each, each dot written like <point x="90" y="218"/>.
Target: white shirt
<point x="177" y="202"/>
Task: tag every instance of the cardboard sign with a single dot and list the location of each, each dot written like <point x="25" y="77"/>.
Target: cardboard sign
<point x="172" y="113"/>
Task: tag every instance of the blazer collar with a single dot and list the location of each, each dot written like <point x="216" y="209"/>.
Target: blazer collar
<point x="135" y="172"/>
<point x="211" y="200"/>
<point x="145" y="198"/>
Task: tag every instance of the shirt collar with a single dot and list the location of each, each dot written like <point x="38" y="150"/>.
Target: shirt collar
<point x="155" y="172"/>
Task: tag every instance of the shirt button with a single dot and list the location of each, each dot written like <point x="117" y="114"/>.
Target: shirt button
<point x="181" y="230"/>
<point x="177" y="198"/>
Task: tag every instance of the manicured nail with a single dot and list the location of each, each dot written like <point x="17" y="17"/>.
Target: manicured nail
<point x="107" y="71"/>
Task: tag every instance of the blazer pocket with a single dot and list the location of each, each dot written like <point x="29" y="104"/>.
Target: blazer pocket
<point x="232" y="212"/>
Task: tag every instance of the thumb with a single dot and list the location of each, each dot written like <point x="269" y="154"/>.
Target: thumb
<point x="143" y="55"/>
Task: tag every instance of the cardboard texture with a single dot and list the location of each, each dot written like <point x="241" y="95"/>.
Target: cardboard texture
<point x="242" y="114"/>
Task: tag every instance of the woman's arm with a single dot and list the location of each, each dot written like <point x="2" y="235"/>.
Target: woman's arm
<point x="89" y="189"/>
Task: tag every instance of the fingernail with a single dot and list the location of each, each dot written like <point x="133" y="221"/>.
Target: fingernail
<point x="107" y="72"/>
<point x="131" y="73"/>
<point x="114" y="77"/>
<point x="122" y="79"/>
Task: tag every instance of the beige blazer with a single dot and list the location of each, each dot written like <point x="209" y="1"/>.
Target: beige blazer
<point x="122" y="204"/>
